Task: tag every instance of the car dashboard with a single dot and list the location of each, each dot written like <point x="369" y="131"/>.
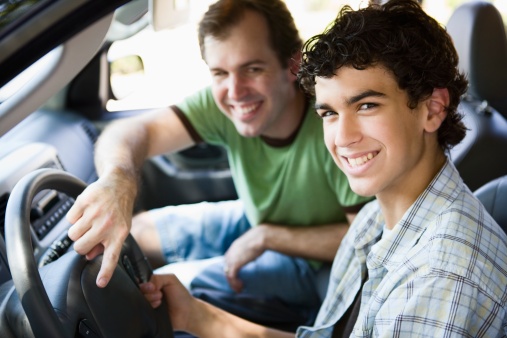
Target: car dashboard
<point x="45" y="140"/>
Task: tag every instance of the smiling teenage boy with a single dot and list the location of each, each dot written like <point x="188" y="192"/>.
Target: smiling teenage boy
<point x="424" y="259"/>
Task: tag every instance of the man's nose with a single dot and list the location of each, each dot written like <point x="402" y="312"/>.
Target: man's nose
<point x="236" y="87"/>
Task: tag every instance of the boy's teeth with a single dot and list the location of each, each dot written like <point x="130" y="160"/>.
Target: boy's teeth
<point x="354" y="162"/>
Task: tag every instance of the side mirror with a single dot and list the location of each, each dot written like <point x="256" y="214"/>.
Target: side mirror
<point x="126" y="75"/>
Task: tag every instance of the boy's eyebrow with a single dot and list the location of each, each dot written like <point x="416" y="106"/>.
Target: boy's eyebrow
<point x="322" y="106"/>
<point x="365" y="94"/>
<point x="353" y="99"/>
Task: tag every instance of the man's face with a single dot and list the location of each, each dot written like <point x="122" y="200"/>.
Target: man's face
<point x="375" y="139"/>
<point x="248" y="82"/>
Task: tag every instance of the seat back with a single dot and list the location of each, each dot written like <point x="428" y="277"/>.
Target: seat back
<point x="479" y="36"/>
<point x="480" y="157"/>
<point x="494" y="197"/>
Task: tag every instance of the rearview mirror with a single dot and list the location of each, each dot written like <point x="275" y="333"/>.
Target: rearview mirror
<point x="168" y="13"/>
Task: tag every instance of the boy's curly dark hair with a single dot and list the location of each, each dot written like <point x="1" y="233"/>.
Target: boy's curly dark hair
<point x="401" y="37"/>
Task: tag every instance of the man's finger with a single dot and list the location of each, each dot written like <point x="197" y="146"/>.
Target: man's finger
<point x="109" y="262"/>
<point x="97" y="250"/>
<point x="80" y="228"/>
<point x="75" y="212"/>
<point x="231" y="274"/>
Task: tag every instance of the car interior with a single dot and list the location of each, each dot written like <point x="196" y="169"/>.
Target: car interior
<point x="478" y="32"/>
<point x="55" y="80"/>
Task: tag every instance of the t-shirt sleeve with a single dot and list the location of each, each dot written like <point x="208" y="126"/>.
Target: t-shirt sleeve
<point x="202" y="117"/>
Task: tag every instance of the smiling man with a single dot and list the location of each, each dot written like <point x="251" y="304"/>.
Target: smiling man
<point x="295" y="205"/>
<point x="424" y="259"/>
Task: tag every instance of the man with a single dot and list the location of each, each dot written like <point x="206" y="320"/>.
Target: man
<point x="424" y="259"/>
<point x="294" y="203"/>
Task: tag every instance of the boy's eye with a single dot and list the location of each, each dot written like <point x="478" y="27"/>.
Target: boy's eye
<point x="366" y="106"/>
<point x="326" y="113"/>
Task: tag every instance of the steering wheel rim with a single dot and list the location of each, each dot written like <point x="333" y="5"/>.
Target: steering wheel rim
<point x="30" y="288"/>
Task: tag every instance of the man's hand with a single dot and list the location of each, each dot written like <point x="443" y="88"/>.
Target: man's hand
<point x="101" y="218"/>
<point x="242" y="251"/>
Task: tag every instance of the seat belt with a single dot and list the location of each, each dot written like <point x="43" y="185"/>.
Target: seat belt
<point x="345" y="325"/>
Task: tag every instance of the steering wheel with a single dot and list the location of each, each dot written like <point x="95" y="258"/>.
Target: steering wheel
<point x="61" y="299"/>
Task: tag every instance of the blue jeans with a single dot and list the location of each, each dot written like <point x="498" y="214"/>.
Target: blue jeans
<point x="205" y="230"/>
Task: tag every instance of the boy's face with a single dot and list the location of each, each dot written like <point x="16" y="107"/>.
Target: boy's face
<point x="248" y="82"/>
<point x="375" y="139"/>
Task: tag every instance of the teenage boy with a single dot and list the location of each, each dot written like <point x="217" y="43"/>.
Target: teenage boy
<point x="424" y="259"/>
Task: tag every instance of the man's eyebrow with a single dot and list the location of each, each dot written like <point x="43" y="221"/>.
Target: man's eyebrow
<point x="244" y="65"/>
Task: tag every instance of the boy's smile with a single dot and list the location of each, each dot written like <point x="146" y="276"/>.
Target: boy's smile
<point x="381" y="144"/>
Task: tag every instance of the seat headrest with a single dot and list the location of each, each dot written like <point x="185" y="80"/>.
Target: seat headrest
<point x="479" y="35"/>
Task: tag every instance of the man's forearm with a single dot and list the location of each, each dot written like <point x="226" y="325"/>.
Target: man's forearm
<point x="122" y="146"/>
<point x="316" y="242"/>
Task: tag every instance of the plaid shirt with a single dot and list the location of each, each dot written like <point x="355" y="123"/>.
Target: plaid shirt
<point x="440" y="272"/>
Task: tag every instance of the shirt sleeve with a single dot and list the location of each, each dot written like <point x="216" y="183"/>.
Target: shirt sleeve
<point x="439" y="305"/>
<point x="204" y="117"/>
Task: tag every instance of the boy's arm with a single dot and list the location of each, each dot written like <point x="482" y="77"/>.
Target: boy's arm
<point x="199" y="318"/>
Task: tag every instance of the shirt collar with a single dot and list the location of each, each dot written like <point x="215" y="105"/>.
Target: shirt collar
<point x="390" y="250"/>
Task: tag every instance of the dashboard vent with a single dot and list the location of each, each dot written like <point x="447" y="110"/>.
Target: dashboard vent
<point x="3" y="206"/>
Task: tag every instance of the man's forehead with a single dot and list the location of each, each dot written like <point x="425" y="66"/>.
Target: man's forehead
<point x="243" y="41"/>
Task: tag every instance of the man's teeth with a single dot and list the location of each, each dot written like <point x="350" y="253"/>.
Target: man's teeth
<point x="246" y="109"/>
<point x="354" y="162"/>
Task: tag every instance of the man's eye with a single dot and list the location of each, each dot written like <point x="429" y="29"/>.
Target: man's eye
<point x="253" y="70"/>
<point x="218" y="74"/>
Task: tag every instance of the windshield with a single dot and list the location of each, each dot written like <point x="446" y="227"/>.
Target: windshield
<point x="14" y="11"/>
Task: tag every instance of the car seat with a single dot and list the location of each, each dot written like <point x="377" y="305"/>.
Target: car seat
<point x="479" y="35"/>
<point x="494" y="197"/>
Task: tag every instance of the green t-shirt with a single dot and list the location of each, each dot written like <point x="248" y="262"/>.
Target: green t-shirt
<point x="297" y="184"/>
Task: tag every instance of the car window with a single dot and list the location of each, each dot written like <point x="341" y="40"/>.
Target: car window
<point x="176" y="70"/>
<point x="13" y="10"/>
<point x="441" y="10"/>
<point x="28" y="75"/>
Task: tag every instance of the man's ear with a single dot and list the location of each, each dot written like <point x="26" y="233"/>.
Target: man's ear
<point x="436" y="105"/>
<point x="294" y="64"/>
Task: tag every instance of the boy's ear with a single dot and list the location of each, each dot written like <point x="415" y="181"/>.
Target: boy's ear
<point x="436" y="105"/>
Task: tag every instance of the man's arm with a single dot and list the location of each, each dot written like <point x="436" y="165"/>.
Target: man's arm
<point x="316" y="242"/>
<point x="102" y="214"/>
